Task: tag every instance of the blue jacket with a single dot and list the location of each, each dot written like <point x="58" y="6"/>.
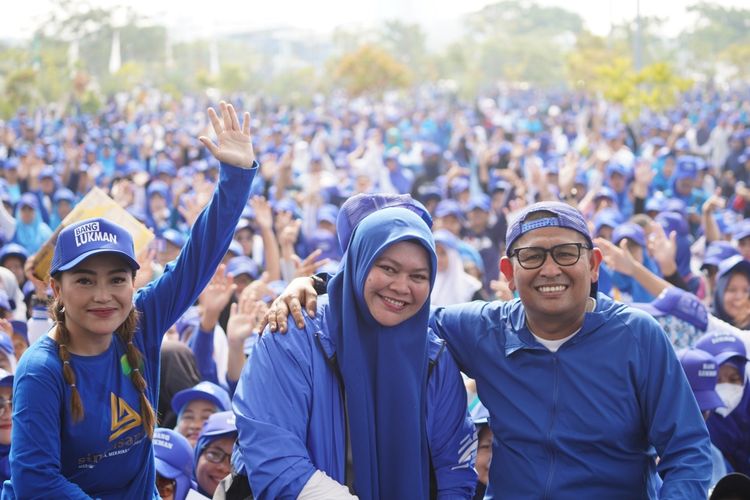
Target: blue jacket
<point x="290" y="414"/>
<point x="108" y="455"/>
<point x="582" y="422"/>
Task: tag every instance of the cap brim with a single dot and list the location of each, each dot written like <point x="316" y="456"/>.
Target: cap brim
<point x="725" y="356"/>
<point x="73" y="263"/>
<point x="166" y="470"/>
<point x="708" y="400"/>
<point x="182" y="398"/>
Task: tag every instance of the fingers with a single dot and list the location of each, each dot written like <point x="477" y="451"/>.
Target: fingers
<point x="246" y="123"/>
<point x="295" y="308"/>
<point x="209" y="145"/>
<point x="311" y="304"/>
<point x="235" y="119"/>
<point x="215" y="122"/>
<point x="225" y="115"/>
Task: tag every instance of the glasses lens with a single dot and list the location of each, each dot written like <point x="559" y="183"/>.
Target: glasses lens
<point x="531" y="257"/>
<point x="566" y="255"/>
<point x="215" y="456"/>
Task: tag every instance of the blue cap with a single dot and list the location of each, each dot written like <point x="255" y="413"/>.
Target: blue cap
<point x="6" y="378"/>
<point x="605" y="192"/>
<point x="717" y="252"/>
<point x="459" y="185"/>
<point x="175" y="237"/>
<point x="702" y="373"/>
<point x="89" y="237"/>
<point x="672" y="221"/>
<point x="446" y="238"/>
<point x="20" y="328"/>
<point x="326" y="242"/>
<point x="328" y="213"/>
<point x="28" y="200"/>
<point x="6" y="344"/>
<point x="610" y="217"/>
<point x="219" y="425"/>
<point x="562" y="215"/>
<point x="166" y="168"/>
<point x="361" y="205"/>
<point x="64" y="194"/>
<point x="741" y="229"/>
<point x="203" y="390"/>
<point x="235" y="248"/>
<point x="723" y="346"/>
<point x="173" y="459"/>
<point x="501" y="185"/>
<point x="242" y="265"/>
<point x="631" y="231"/>
<point x="733" y="263"/>
<point x="676" y="302"/>
<point x="448" y="207"/>
<point x="480" y="202"/>
<point x="158" y="187"/>
<point x="614" y="167"/>
<point x="686" y="167"/>
<point x="47" y="172"/>
<point x="13" y="250"/>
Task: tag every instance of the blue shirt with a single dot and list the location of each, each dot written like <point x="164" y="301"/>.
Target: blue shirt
<point x="108" y="455"/>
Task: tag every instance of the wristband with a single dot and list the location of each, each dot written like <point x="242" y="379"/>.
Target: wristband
<point x="319" y="284"/>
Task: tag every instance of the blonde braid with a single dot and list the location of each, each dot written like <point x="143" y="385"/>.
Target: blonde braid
<point x="63" y="337"/>
<point x="126" y="332"/>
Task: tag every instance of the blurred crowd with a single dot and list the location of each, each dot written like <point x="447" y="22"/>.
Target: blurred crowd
<point x="665" y="197"/>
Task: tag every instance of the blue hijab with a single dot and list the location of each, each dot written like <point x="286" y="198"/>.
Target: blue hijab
<point x="384" y="368"/>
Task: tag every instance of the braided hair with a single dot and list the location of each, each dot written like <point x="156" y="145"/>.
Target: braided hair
<point x="125" y="332"/>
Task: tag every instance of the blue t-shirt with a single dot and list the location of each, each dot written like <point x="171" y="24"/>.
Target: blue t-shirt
<point x="108" y="455"/>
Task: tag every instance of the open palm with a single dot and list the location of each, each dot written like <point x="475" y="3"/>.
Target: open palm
<point x="235" y="146"/>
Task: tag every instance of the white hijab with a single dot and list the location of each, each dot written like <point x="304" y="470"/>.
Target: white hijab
<point x="454" y="285"/>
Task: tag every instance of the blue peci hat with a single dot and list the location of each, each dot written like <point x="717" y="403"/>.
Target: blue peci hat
<point x="89" y="237"/>
<point x="203" y="390"/>
<point x="561" y="215"/>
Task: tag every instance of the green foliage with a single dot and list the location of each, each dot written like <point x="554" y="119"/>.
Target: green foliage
<point x="370" y="70"/>
<point x="716" y="30"/>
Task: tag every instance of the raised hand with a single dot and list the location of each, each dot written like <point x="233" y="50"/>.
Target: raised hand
<point x="234" y="142"/>
<point x="617" y="258"/>
<point x="309" y="264"/>
<point x="263" y="213"/>
<point x="217" y="293"/>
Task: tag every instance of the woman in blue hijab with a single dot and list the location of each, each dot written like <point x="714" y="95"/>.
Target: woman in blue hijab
<point x="31" y="231"/>
<point x="363" y="400"/>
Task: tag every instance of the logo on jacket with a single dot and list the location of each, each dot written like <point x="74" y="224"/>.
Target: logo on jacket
<point x="124" y="417"/>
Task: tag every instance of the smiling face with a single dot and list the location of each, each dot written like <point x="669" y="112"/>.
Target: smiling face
<point x="553" y="296"/>
<point x="192" y="417"/>
<point x="737" y="296"/>
<point x="209" y="474"/>
<point x="6" y="393"/>
<point x="398" y="283"/>
<point x="97" y="295"/>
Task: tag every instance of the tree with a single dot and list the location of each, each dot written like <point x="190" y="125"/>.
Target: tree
<point x="370" y="70"/>
<point x="407" y="43"/>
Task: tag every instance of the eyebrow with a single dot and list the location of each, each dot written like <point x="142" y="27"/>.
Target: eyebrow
<point x="93" y="273"/>
<point x="398" y="264"/>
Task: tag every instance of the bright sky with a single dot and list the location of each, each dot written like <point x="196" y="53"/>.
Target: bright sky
<point x="186" y="17"/>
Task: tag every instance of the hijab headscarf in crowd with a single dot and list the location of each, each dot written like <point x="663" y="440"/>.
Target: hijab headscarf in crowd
<point x="31" y="236"/>
<point x="384" y="368"/>
<point x="454" y="285"/>
<point x="727" y="268"/>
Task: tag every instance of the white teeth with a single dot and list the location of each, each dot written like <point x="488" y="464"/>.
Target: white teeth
<point x="551" y="289"/>
<point x="396" y="303"/>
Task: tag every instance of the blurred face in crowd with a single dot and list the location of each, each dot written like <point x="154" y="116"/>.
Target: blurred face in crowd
<point x="398" y="283"/>
<point x="214" y="464"/>
<point x="157" y="204"/>
<point x="6" y="396"/>
<point x="743" y="245"/>
<point x="478" y="220"/>
<point x="442" y="257"/>
<point x="245" y="238"/>
<point x="19" y="345"/>
<point x="192" y="417"/>
<point x="736" y="296"/>
<point x="63" y="208"/>
<point x="15" y="264"/>
<point x="684" y="186"/>
<point x="169" y="253"/>
<point x="47" y="184"/>
<point x="451" y="223"/>
<point x="27" y="214"/>
<point x="11" y="175"/>
<point x="605" y="232"/>
<point x="617" y="182"/>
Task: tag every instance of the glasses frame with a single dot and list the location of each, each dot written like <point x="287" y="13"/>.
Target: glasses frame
<point x="224" y="455"/>
<point x="550" y="251"/>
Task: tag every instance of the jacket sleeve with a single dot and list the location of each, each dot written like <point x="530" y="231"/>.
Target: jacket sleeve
<point x="36" y="471"/>
<point x="164" y="300"/>
<point x="202" y="345"/>
<point x="459" y="326"/>
<point x="272" y="404"/>
<point x="673" y="420"/>
<point x="452" y="435"/>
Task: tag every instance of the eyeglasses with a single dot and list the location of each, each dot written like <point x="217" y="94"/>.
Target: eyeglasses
<point x="165" y="486"/>
<point x="5" y="405"/>
<point x="566" y="254"/>
<point x="216" y="456"/>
